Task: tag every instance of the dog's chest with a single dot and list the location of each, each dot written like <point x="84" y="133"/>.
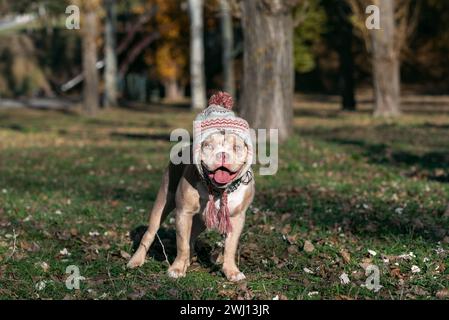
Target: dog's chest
<point x="235" y="199"/>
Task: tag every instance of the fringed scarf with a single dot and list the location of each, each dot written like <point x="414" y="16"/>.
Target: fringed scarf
<point x="218" y="219"/>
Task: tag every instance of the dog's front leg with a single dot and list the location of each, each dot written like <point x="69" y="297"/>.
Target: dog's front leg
<point x="230" y="268"/>
<point x="183" y="229"/>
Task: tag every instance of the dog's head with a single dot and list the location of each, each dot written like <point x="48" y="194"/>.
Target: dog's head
<point x="224" y="157"/>
<point x="222" y="145"/>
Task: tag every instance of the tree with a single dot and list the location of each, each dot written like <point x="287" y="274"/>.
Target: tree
<point x="398" y="20"/>
<point x="169" y="59"/>
<point x="386" y="76"/>
<point x="341" y="37"/>
<point x="227" y="43"/>
<point x="110" y="72"/>
<point x="89" y="29"/>
<point x="268" y="70"/>
<point x="197" y="75"/>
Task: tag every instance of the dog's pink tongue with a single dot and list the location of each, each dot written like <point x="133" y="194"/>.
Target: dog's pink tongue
<point x="222" y="176"/>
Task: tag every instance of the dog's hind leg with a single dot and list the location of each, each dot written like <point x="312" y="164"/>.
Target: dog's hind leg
<point x="164" y="204"/>
<point x="198" y="227"/>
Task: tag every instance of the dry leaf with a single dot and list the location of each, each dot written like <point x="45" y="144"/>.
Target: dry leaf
<point x="292" y="249"/>
<point x="396" y="272"/>
<point x="292" y="239"/>
<point x="138" y="294"/>
<point x="443" y="294"/>
<point x="345" y="255"/>
<point x="74" y="232"/>
<point x="365" y="263"/>
<point x="286" y="229"/>
<point x="308" y="246"/>
<point x="344" y="278"/>
<point x="125" y="254"/>
<point x="44" y="265"/>
<point x="285" y="216"/>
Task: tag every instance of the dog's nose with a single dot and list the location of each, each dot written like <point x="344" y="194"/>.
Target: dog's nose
<point x="222" y="157"/>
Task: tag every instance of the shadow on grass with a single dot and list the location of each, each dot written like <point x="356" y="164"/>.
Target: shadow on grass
<point x="168" y="239"/>
<point x="156" y="107"/>
<point x="385" y="146"/>
<point x="326" y="209"/>
<point x="142" y="136"/>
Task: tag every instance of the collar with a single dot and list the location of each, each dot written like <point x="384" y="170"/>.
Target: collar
<point x="213" y="189"/>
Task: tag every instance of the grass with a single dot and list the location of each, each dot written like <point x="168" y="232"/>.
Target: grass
<point x="347" y="183"/>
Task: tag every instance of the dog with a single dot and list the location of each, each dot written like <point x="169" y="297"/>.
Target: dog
<point x="213" y="192"/>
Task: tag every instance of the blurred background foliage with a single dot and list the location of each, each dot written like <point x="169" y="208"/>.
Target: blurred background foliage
<point x="40" y="56"/>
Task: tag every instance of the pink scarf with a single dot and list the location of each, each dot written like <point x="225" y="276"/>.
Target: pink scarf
<point x="218" y="219"/>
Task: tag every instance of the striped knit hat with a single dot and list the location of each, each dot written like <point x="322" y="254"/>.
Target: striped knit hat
<point x="218" y="116"/>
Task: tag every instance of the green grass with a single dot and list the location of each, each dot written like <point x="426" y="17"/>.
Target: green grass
<point x="346" y="182"/>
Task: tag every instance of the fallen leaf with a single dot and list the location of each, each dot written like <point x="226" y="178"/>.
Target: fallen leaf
<point x="396" y="272"/>
<point x="345" y="255"/>
<point x="285" y="216"/>
<point x="443" y="294"/>
<point x="308" y="246"/>
<point x="41" y="285"/>
<point x="244" y="293"/>
<point x="292" y="239"/>
<point x="365" y="263"/>
<point x="64" y="252"/>
<point x="420" y="291"/>
<point x="286" y="229"/>
<point x="292" y="249"/>
<point x="137" y="294"/>
<point x="344" y="279"/>
<point x="43" y="265"/>
<point x="307" y="270"/>
<point x="415" y="269"/>
<point x="125" y="255"/>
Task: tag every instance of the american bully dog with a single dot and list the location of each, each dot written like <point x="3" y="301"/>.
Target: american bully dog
<point x="212" y="192"/>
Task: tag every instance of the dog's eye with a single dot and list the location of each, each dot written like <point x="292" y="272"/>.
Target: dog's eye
<point x="207" y="146"/>
<point x="237" y="148"/>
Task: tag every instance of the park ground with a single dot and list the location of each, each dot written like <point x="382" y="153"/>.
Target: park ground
<point x="351" y="191"/>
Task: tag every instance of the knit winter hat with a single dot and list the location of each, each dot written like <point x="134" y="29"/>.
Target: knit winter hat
<point x="218" y="116"/>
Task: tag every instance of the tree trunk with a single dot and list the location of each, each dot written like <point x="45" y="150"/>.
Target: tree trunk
<point x="110" y="72"/>
<point x="346" y="57"/>
<point x="347" y="89"/>
<point x="268" y="73"/>
<point x="173" y="91"/>
<point x="197" y="75"/>
<point x="227" y="43"/>
<point x="386" y="74"/>
<point x="89" y="61"/>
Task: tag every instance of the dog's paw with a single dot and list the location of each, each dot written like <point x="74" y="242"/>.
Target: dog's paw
<point x="234" y="276"/>
<point x="134" y="263"/>
<point x="176" y="273"/>
<point x="137" y="260"/>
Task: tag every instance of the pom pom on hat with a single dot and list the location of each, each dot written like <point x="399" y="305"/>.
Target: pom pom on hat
<point x="222" y="99"/>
